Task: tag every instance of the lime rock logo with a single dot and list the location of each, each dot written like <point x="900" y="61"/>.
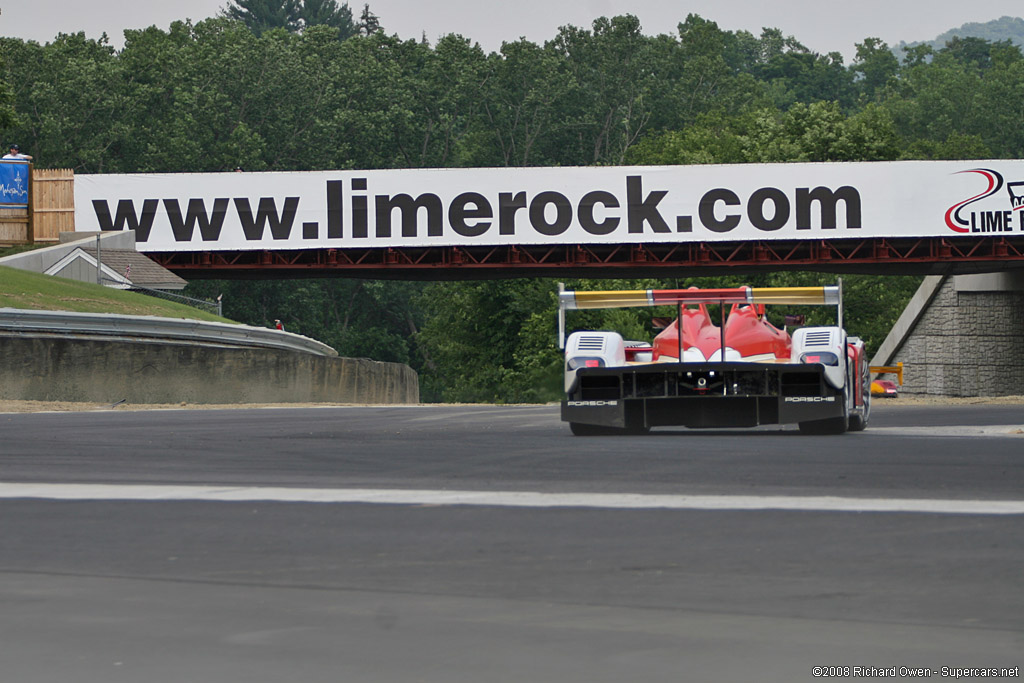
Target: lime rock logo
<point x="966" y="216"/>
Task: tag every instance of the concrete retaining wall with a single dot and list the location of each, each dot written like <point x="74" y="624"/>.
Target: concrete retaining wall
<point x="52" y="368"/>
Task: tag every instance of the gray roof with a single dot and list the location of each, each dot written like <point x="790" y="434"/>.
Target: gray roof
<point x="144" y="271"/>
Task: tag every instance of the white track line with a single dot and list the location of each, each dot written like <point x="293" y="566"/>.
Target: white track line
<point x="950" y="431"/>
<point x="531" y="499"/>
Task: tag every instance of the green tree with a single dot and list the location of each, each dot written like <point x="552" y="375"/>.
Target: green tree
<point x="704" y="74"/>
<point x="875" y="66"/>
<point x="69" y="96"/>
<point x="943" y="108"/>
<point x="975" y="53"/>
<point x="792" y="73"/>
<point x="932" y="101"/>
<point x="264" y="15"/>
<point x="999" y="125"/>
<point x="806" y="132"/>
<point x="711" y="139"/>
<point x="917" y="55"/>
<point x="444" y="87"/>
<point x="226" y="104"/>
<point x="820" y="132"/>
<point x="615" y="70"/>
<point x="524" y="93"/>
<point x="868" y="135"/>
<point x="474" y="332"/>
<point x="328" y="13"/>
<point x="369" y="23"/>
<point x="375" y="114"/>
<point x="8" y="116"/>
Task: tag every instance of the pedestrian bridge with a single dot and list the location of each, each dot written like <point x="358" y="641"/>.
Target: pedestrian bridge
<point x="888" y="217"/>
<point x="934" y="218"/>
<point x="924" y="255"/>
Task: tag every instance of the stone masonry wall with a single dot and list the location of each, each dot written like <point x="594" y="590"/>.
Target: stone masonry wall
<point x="966" y="344"/>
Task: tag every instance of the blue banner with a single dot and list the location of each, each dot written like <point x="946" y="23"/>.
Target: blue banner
<point x="13" y="183"/>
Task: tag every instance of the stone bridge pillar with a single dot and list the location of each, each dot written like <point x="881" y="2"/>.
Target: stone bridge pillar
<point x="961" y="335"/>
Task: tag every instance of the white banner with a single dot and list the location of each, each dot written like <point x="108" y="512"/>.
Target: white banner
<point x="529" y="206"/>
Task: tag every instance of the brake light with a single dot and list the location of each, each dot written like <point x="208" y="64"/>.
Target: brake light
<point x="577" y="363"/>
<point x="820" y="357"/>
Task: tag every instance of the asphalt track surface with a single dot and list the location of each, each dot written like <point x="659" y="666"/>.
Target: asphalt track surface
<point x="240" y="545"/>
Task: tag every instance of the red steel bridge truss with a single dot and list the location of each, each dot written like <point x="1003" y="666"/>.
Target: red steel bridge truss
<point x="925" y="255"/>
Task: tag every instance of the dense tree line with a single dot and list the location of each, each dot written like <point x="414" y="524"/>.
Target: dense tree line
<point x="328" y="92"/>
<point x="216" y="95"/>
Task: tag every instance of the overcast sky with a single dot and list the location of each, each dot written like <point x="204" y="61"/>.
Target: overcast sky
<point x="822" y="25"/>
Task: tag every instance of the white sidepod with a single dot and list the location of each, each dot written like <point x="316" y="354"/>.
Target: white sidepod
<point x="594" y="350"/>
<point x="825" y="346"/>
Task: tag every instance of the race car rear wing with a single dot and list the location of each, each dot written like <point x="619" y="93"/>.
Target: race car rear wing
<point x="570" y="300"/>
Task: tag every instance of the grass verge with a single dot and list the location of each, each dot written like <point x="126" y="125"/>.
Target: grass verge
<point x="34" y="291"/>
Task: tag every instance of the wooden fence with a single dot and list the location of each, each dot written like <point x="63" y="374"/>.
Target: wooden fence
<point x="51" y="209"/>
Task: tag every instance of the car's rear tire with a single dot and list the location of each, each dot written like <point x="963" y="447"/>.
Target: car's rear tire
<point x="859" y="419"/>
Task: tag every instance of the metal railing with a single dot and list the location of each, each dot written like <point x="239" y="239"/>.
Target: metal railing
<point x="215" y="307"/>
<point x="151" y="328"/>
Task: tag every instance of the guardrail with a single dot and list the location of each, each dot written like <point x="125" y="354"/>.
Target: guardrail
<point x="131" y="327"/>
